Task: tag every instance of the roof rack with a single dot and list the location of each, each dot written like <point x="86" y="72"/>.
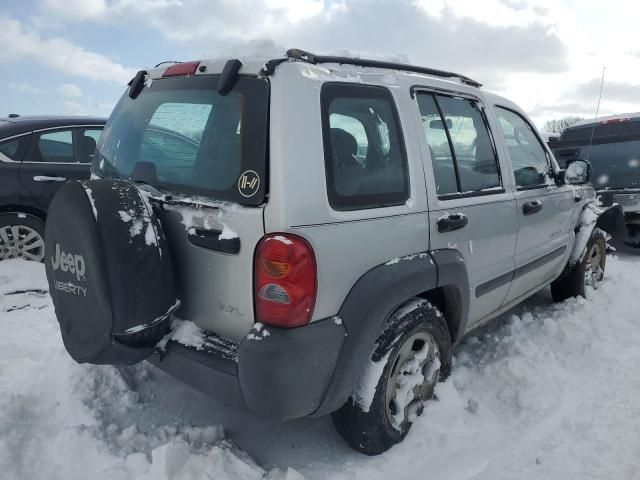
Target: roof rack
<point x="363" y="62"/>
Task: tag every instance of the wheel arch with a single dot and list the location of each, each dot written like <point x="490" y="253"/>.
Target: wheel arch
<point x="21" y="208"/>
<point x="612" y="221"/>
<point x="439" y="276"/>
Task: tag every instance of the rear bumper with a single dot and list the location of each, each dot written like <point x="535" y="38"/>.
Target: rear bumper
<point x="273" y="372"/>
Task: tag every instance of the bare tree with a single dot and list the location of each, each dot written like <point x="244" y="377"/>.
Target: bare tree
<point x="559" y="125"/>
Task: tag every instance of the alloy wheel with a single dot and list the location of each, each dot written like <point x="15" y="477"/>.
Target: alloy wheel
<point x="21" y="241"/>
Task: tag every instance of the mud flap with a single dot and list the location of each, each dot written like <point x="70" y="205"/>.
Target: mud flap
<point x="109" y="271"/>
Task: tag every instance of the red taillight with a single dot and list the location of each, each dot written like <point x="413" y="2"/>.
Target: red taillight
<point x="284" y="280"/>
<point x="184" y="68"/>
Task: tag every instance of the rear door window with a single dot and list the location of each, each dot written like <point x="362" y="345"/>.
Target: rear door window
<point x="65" y="146"/>
<point x="85" y="141"/>
<point x="365" y="158"/>
<point x="463" y="154"/>
<point x="55" y="147"/>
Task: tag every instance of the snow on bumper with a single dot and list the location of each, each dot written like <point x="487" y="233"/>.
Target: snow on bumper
<point x="283" y="374"/>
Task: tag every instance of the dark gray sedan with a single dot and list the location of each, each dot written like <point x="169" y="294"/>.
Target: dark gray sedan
<point x="37" y="155"/>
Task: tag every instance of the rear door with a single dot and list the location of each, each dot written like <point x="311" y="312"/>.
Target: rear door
<point x="12" y="151"/>
<point x="55" y="156"/>
<point x="546" y="212"/>
<point x="472" y="207"/>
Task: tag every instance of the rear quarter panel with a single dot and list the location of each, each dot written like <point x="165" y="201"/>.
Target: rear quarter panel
<point x="347" y="244"/>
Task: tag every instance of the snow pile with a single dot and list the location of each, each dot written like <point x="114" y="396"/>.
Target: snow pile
<point x="549" y="392"/>
<point x="139" y="221"/>
<point x="197" y="213"/>
<point x="410" y="375"/>
<point x="64" y="421"/>
<point x="186" y="333"/>
<point x="258" y="332"/>
<point x="586" y="223"/>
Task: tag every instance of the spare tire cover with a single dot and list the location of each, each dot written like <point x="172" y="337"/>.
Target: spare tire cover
<point x="109" y="272"/>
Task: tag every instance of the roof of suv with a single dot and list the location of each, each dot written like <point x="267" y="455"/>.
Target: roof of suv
<point x="16" y="125"/>
<point x="267" y="66"/>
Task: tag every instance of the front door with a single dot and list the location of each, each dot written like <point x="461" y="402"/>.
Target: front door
<point x="472" y="210"/>
<point x="56" y="156"/>
<point x="546" y="211"/>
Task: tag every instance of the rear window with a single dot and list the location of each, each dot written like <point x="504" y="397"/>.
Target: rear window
<point x="179" y="134"/>
<point x="616" y="165"/>
<point x="614" y="153"/>
<point x="365" y="159"/>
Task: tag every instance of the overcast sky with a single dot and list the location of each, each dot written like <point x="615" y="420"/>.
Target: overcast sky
<point x="75" y="56"/>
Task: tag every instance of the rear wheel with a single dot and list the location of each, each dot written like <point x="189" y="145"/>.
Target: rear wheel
<point x="412" y="354"/>
<point x="589" y="271"/>
<point x="21" y="236"/>
<point x="633" y="232"/>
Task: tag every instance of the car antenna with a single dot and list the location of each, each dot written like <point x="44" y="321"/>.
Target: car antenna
<point x="595" y="120"/>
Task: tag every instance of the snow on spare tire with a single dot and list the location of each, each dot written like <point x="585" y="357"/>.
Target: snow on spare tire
<point x="109" y="272"/>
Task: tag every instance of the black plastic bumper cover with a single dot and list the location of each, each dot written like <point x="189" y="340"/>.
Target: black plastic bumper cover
<point x="283" y="374"/>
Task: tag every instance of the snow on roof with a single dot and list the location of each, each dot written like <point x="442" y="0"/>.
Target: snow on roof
<point x="548" y="135"/>
<point x="254" y="64"/>
<point x="620" y="116"/>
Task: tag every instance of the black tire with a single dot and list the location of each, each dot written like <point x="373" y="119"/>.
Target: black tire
<point x="371" y="430"/>
<point x="29" y="241"/>
<point x="574" y="282"/>
<point x="633" y="233"/>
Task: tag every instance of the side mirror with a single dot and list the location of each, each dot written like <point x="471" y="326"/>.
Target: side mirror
<point x="577" y="172"/>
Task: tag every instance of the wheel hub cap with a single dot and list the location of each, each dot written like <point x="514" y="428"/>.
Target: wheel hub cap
<point x="413" y="378"/>
<point x="594" y="272"/>
<point x="21" y="241"/>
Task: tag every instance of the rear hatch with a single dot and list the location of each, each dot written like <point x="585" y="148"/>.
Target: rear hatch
<point x="202" y="158"/>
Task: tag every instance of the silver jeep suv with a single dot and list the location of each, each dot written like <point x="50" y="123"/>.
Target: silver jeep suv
<point x="314" y="234"/>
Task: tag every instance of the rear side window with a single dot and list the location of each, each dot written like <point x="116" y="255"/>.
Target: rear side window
<point x="75" y="145"/>
<point x="462" y="152"/>
<point x="365" y="157"/>
<point x="528" y="157"/>
<point x="15" y="149"/>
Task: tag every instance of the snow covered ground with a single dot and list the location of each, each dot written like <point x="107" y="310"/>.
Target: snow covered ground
<point x="548" y="392"/>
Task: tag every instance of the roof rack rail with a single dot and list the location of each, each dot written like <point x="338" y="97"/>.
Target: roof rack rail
<point x="363" y="62"/>
<point x="167" y="61"/>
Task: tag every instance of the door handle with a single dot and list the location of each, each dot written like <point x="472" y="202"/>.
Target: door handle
<point x="530" y="208"/>
<point x="451" y="222"/>
<point x="46" y="178"/>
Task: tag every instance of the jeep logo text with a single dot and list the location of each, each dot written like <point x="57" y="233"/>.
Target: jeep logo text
<point x="68" y="262"/>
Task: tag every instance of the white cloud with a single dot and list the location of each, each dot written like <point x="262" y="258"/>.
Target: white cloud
<point x="76" y="9"/>
<point x="491" y="12"/>
<point x="75" y="108"/>
<point x="539" y="53"/>
<point x="19" y="44"/>
<point x="23" y="88"/>
<point x="70" y="90"/>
